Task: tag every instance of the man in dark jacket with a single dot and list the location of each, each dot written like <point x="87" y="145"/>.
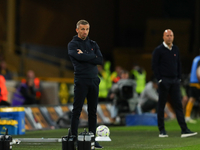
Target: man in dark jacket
<point x="85" y="56"/>
<point x="166" y="67"/>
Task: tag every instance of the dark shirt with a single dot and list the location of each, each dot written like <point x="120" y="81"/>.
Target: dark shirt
<point x="166" y="63"/>
<point x="29" y="95"/>
<point x="85" y="64"/>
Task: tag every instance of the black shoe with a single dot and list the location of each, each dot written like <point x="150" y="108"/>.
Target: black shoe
<point x="163" y="134"/>
<point x="97" y="146"/>
<point x="188" y="133"/>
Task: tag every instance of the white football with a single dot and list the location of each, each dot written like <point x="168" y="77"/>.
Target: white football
<point x="103" y="131"/>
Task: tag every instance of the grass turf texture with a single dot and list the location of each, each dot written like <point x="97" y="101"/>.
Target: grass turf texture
<point x="124" y="138"/>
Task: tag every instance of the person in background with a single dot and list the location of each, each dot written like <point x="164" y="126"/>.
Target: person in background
<point x="28" y="92"/>
<point x="123" y="95"/>
<point x="104" y="74"/>
<point x="139" y="75"/>
<point x="194" y="89"/>
<point x="107" y="69"/>
<point x="103" y="89"/>
<point x="4" y="71"/>
<point x="3" y="92"/>
<point x="184" y="97"/>
<point x="115" y="75"/>
<point x="148" y="99"/>
<point x="167" y="69"/>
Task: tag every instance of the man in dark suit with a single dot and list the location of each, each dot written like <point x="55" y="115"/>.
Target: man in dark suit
<point x="167" y="69"/>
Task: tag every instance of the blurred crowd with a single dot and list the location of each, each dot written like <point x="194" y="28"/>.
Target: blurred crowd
<point x="28" y="90"/>
<point x="128" y="91"/>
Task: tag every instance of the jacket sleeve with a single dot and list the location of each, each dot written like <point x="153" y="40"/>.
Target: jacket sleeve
<point x="98" y="60"/>
<point x="72" y="51"/>
<point x="155" y="64"/>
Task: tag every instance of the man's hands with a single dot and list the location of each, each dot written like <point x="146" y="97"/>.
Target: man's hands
<point x="79" y="51"/>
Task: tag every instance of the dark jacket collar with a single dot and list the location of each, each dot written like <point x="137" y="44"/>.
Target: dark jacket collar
<point x="76" y="38"/>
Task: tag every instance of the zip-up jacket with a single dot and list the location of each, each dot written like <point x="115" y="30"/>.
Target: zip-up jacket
<point x="85" y="64"/>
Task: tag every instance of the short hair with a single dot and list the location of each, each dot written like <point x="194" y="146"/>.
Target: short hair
<point x="83" y="22"/>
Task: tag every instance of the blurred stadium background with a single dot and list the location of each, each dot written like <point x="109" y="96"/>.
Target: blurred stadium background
<point x="34" y="35"/>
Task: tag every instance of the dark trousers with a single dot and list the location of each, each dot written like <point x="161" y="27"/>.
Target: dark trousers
<point x="170" y="86"/>
<point x="85" y="88"/>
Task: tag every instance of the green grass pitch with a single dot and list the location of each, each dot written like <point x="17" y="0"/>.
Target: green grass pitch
<point x="124" y="138"/>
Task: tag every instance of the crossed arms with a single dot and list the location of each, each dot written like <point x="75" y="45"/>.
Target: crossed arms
<point x="93" y="58"/>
